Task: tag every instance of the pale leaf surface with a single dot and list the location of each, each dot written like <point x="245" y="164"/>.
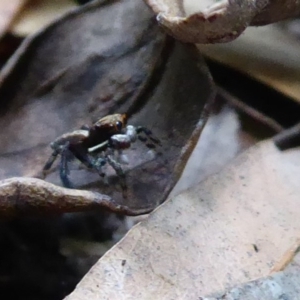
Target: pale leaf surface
<point x="230" y="229"/>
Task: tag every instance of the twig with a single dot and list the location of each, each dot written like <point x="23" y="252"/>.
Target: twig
<point x="241" y="106"/>
<point x="288" y="138"/>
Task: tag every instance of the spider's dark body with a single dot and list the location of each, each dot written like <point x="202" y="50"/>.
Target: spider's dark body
<point x="104" y="129"/>
<point x="106" y="135"/>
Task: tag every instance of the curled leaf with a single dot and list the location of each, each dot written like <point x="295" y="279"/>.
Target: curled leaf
<point x="26" y="196"/>
<point x="208" y="22"/>
<point x="212" y="21"/>
<point x="91" y="63"/>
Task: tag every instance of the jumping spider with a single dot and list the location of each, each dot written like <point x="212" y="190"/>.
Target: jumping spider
<point x="108" y="134"/>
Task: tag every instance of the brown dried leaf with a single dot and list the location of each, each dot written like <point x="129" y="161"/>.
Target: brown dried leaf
<point x="39" y="14"/>
<point x="230" y="229"/>
<point x="205" y="22"/>
<point x="283" y="285"/>
<point x="277" y="10"/>
<point x="26" y="196"/>
<point x="267" y="53"/>
<point x="89" y="64"/>
<point x="218" y="21"/>
<point x="9" y="9"/>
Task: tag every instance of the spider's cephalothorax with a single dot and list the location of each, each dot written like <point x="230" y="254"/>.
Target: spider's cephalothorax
<point x="106" y="135"/>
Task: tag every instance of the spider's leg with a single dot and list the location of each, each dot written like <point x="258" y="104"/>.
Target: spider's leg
<point x="99" y="163"/>
<point x="117" y="167"/>
<point x="149" y="140"/>
<point x="122" y="158"/>
<point x="89" y="161"/>
<point x="64" y="169"/>
<point x="50" y="162"/>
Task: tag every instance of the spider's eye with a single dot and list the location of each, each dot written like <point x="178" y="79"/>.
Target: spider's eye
<point x="119" y="125"/>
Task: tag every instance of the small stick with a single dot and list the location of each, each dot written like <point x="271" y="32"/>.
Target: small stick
<point x="288" y="138"/>
<point x="248" y="110"/>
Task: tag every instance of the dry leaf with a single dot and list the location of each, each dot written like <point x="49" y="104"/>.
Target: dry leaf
<point x="87" y="65"/>
<point x="277" y="10"/>
<point x="9" y="9"/>
<point x="39" y="14"/>
<point x="227" y="119"/>
<point x="282" y="285"/>
<point x="218" y="21"/>
<point x="205" y="22"/>
<point x="27" y="196"/>
<point x="266" y="53"/>
<point x="230" y="229"/>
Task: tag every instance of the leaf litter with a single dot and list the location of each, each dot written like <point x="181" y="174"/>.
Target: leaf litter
<point x="50" y="87"/>
<point x="75" y="71"/>
<point x="200" y="242"/>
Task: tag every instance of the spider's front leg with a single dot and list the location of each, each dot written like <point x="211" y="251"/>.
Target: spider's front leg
<point x="118" y="169"/>
<point x="68" y="152"/>
<point x="90" y="162"/>
<point x="149" y="140"/>
<point x="117" y="142"/>
<point x="123" y="141"/>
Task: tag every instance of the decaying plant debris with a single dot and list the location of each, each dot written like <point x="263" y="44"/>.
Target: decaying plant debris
<point x="82" y="68"/>
<point x="21" y="196"/>
<point x="212" y="21"/>
<point x="102" y="58"/>
<point x="231" y="228"/>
